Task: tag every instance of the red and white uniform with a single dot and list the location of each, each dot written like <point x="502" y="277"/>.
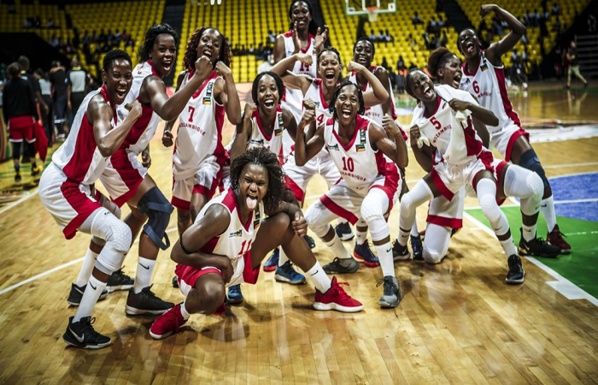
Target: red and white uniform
<point x="234" y="243"/>
<point x="66" y="186"/>
<point x="362" y="168"/>
<point x="259" y="137"/>
<point x="375" y="113"/>
<point x="124" y="172"/>
<point x="297" y="177"/>
<point x="487" y="84"/>
<point x="463" y="154"/>
<point x="198" y="153"/>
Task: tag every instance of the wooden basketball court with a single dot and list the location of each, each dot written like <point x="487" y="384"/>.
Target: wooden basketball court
<point x="458" y="321"/>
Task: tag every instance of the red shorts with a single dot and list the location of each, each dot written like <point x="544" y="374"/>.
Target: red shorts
<point x="21" y="127"/>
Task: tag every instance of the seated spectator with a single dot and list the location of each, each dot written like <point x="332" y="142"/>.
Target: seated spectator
<point x="415" y="19"/>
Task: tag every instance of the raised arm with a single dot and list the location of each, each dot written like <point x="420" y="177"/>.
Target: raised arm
<point x="284" y="69"/>
<point x="107" y="138"/>
<point x="484" y="115"/>
<point x="167" y="137"/>
<point x="225" y="92"/>
<point x="506" y="44"/>
<point x="242" y="134"/>
<point x="379" y="94"/>
<point x="304" y="151"/>
<point x="389" y="140"/>
<point x="381" y="74"/>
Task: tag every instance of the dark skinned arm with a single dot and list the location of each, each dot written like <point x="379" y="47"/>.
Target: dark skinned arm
<point x="100" y="114"/>
<point x="167" y="137"/>
<point x="506" y="44"/>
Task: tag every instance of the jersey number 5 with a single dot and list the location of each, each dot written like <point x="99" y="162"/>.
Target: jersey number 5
<point x="435" y="122"/>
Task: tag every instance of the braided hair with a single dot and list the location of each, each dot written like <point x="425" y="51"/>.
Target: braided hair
<point x="226" y="53"/>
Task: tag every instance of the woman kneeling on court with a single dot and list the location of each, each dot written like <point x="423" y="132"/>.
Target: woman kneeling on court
<point x="230" y="237"/>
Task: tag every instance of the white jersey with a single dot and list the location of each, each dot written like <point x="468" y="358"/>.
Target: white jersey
<point x="358" y="163"/>
<point x="79" y="157"/>
<point x="455" y="139"/>
<point x="236" y="240"/>
<point x="259" y="137"/>
<point x="200" y="129"/>
<point x="375" y="113"/>
<point x="145" y="127"/>
<point x="487" y="84"/>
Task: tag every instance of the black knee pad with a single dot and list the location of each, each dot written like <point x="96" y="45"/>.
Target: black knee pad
<point x="530" y="161"/>
<point x="157" y="208"/>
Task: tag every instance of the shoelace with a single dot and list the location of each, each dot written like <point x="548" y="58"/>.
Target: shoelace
<point x="88" y="328"/>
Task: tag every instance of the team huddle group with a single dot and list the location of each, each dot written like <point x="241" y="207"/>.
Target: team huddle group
<point x="306" y="118"/>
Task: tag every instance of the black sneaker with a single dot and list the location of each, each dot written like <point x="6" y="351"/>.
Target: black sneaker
<point x="146" y="302"/>
<point x="76" y="294"/>
<point x="364" y="253"/>
<point x="392" y="294"/>
<point x="82" y="335"/>
<point x="18" y="177"/>
<point x="400" y="253"/>
<point x="537" y="247"/>
<point x="175" y="282"/>
<point x="119" y="281"/>
<point x="310" y="241"/>
<point x="516" y="274"/>
<point x="344" y="232"/>
<point x="341" y="266"/>
<point x="417" y="248"/>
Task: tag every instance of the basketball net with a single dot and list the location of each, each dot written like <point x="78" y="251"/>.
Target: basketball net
<point x="372" y="13"/>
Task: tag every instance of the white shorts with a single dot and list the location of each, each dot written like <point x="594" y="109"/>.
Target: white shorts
<point x="297" y="177"/>
<point x="205" y="181"/>
<point x="122" y="176"/>
<point x="345" y="202"/>
<point x="443" y="212"/>
<point x="504" y="139"/>
<point x="449" y="179"/>
<point x="69" y="203"/>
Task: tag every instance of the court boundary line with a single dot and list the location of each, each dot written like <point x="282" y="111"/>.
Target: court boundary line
<point x="561" y="283"/>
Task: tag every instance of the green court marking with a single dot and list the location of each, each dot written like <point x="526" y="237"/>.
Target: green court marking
<point x="581" y="266"/>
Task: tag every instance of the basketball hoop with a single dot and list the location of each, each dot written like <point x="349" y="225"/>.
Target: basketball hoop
<point x="372" y="13"/>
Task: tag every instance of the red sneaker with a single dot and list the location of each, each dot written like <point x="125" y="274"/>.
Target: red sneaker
<point x="555" y="237"/>
<point x="336" y="299"/>
<point x="167" y="323"/>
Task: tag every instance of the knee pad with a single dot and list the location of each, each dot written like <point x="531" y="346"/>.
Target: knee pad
<point x="117" y="236"/>
<point x="157" y="208"/>
<point x="531" y="205"/>
<point x="530" y="160"/>
<point x="317" y="220"/>
<point x="373" y="208"/>
<point x="490" y="208"/>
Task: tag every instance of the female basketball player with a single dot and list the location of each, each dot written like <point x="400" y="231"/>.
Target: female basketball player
<point x="230" y="237"/>
<point x="443" y="119"/>
<point x="484" y="77"/>
<point x="66" y="187"/>
<point x="357" y="147"/>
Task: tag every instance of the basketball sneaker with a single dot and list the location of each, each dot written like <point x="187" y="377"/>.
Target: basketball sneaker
<point x="417" y="248"/>
<point x="310" y="241"/>
<point x="336" y="299"/>
<point x="344" y="232"/>
<point x="537" y="247"/>
<point x="119" y="281"/>
<point x="341" y="266"/>
<point x="272" y="263"/>
<point x="76" y="293"/>
<point x="235" y="296"/>
<point x="175" y="282"/>
<point x="555" y="237"/>
<point x="146" y="302"/>
<point x="167" y="323"/>
<point x="516" y="274"/>
<point x="392" y="294"/>
<point x="35" y="169"/>
<point x="82" y="335"/>
<point x="18" y="177"/>
<point x="287" y="274"/>
<point x="400" y="253"/>
<point x="364" y="253"/>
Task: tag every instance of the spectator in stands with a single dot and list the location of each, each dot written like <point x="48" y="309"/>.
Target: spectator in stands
<point x="432" y="25"/>
<point x="384" y="63"/>
<point x="79" y="81"/>
<point x="557" y="26"/>
<point x="443" y="40"/>
<point x="46" y="93"/>
<point x="50" y="23"/>
<point x="591" y="23"/>
<point x="415" y="19"/>
<point x="61" y="87"/>
<point x="412" y="41"/>
<point x="19" y="109"/>
<point x="556" y="10"/>
<point x="400" y="63"/>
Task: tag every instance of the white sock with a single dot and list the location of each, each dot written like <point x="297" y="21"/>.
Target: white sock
<point x="386" y="260"/>
<point x="282" y="257"/>
<point x="414" y="230"/>
<point x="319" y="278"/>
<point x="337" y="248"/>
<point x="143" y="278"/>
<point x="184" y="312"/>
<point x="508" y="246"/>
<point x="529" y="232"/>
<point x="360" y="236"/>
<point x="92" y="292"/>
<point x="89" y="262"/>
<point x="547" y="208"/>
